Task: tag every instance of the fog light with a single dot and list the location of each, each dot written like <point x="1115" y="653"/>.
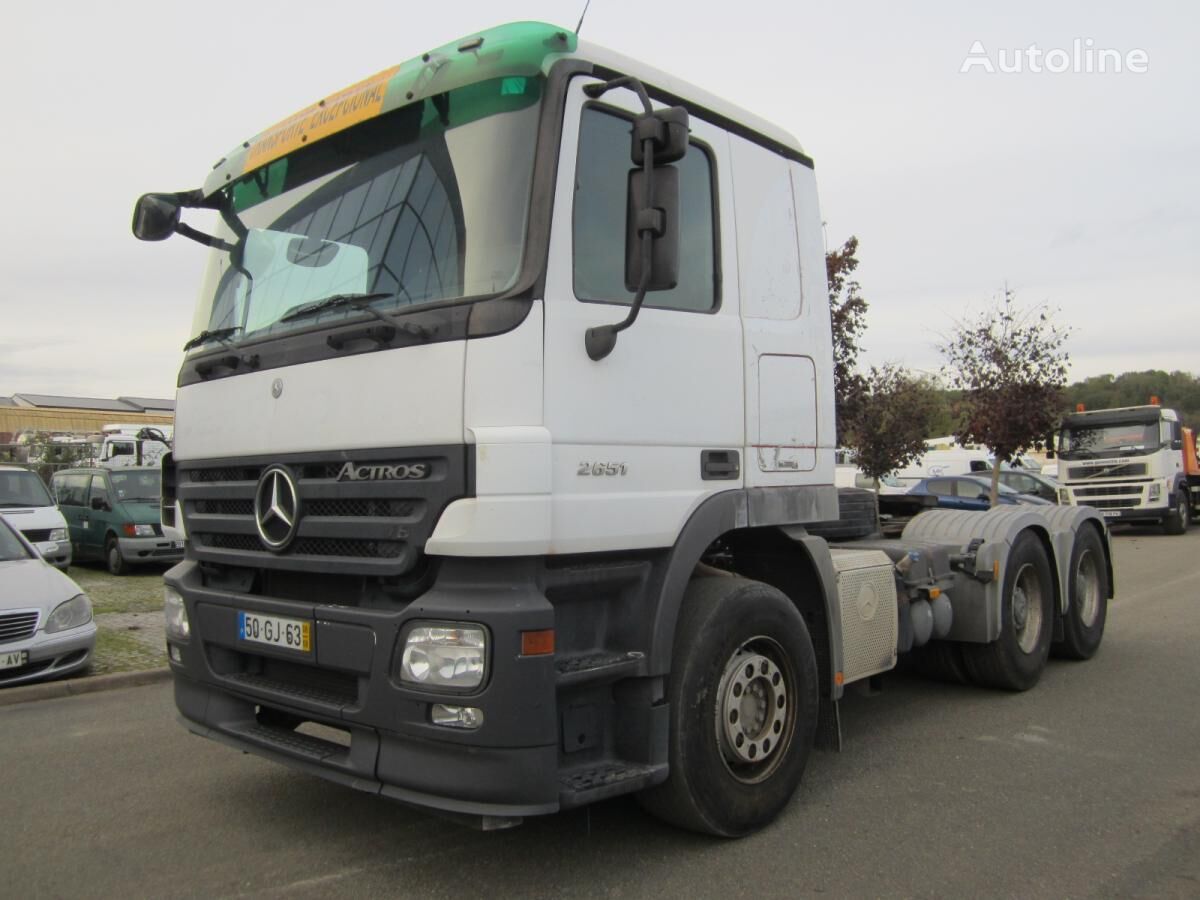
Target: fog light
<point x="456" y="716"/>
<point x="175" y="653"/>
<point x="1155" y="492"/>
<point x="445" y="655"/>
<point x="176" y="614"/>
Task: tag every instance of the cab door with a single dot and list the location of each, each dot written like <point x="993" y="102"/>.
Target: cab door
<point x="643" y="436"/>
<point x="98" y="516"/>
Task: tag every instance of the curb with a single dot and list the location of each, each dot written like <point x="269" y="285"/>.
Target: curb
<point x="70" y="687"/>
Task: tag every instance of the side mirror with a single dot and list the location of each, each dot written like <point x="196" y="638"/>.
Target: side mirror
<point x="662" y="220"/>
<point x="155" y="217"/>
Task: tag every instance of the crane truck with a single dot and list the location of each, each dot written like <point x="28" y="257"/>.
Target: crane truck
<point x="1135" y="464"/>
<point x="504" y="453"/>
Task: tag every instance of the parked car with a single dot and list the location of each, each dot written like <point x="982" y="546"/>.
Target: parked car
<point x="969" y="492"/>
<point x="1025" y="482"/>
<point x="113" y="516"/>
<point x="26" y="503"/>
<point x="46" y="627"/>
<point x="852" y="476"/>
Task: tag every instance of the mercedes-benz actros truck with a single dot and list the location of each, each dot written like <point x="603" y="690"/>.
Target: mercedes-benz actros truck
<point x="504" y="453"/>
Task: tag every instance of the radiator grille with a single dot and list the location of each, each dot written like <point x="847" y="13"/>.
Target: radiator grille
<point x="1128" y="470"/>
<point x="17" y="626"/>
<point x="1113" y="490"/>
<point x="37" y="535"/>
<point x="364" y="525"/>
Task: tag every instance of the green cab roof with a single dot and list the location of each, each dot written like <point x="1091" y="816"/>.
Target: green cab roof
<point x="516" y="49"/>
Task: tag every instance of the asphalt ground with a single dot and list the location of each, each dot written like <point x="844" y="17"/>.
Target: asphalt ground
<point x="1087" y="786"/>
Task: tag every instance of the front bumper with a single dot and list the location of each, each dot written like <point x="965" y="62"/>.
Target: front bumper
<point x="150" y="549"/>
<point x="51" y="656"/>
<point x="1133" y="513"/>
<point x="57" y="553"/>
<point x="251" y="696"/>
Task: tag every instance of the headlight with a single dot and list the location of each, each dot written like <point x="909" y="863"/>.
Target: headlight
<point x="132" y="530"/>
<point x="57" y="534"/>
<point x="1155" y="492"/>
<point x="176" y="615"/>
<point x="1064" y="496"/>
<point x="445" y="655"/>
<point x="75" y="612"/>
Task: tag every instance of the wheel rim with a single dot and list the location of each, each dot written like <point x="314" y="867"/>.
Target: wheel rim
<point x="755" y="714"/>
<point x="1087" y="589"/>
<point x="1027" y="608"/>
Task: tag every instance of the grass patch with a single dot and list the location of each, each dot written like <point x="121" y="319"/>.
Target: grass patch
<point x="141" y="591"/>
<point x="118" y="651"/>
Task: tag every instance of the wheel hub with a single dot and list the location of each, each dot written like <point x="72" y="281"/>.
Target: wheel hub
<point x="752" y="709"/>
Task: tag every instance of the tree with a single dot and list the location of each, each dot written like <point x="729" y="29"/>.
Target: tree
<point x="890" y="420"/>
<point x="848" y="316"/>
<point x="1011" y="367"/>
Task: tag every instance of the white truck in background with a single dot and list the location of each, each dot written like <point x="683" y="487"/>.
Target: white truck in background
<point x="1133" y="463"/>
<point x="567" y="526"/>
<point x="120" y="445"/>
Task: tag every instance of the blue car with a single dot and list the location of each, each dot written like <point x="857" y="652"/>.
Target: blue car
<point x="970" y="492"/>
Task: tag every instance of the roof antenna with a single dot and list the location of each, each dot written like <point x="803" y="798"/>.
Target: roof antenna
<point x="581" y="17"/>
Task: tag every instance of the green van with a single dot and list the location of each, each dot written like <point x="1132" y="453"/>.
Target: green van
<point x="113" y="515"/>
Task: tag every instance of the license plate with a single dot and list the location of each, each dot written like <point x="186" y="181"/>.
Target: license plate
<point x="276" y="631"/>
<point x="1110" y="513"/>
<point x="13" y="659"/>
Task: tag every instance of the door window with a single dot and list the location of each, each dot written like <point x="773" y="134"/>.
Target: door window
<point x="598" y="225"/>
<point x="99" y="489"/>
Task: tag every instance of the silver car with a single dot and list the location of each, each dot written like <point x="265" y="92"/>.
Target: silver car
<point x="46" y="627"/>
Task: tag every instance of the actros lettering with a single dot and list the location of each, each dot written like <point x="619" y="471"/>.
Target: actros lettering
<point x="404" y="471"/>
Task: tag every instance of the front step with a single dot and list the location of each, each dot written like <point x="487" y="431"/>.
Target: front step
<point x="598" y="666"/>
<point x="591" y="782"/>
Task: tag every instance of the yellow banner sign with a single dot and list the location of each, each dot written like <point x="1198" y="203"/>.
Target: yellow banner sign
<point x="355" y="104"/>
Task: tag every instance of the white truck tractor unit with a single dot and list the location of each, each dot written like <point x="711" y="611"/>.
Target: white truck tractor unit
<point x="1133" y="464"/>
<point x="504" y="452"/>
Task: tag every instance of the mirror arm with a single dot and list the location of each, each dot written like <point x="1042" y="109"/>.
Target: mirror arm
<point x="595" y="91"/>
<point x="200" y="237"/>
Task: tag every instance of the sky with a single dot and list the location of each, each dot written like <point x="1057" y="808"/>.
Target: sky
<point x="1072" y="188"/>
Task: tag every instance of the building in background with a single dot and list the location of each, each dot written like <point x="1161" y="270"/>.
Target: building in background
<point x="34" y="414"/>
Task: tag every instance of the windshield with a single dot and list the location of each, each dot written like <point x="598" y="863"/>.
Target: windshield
<point x="423" y="204"/>
<point x="11" y="547"/>
<point x="132" y="486"/>
<point x="20" y="487"/>
<point x="1109" y="440"/>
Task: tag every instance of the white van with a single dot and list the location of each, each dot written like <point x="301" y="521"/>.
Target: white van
<point x="940" y="463"/>
<point x="27" y="505"/>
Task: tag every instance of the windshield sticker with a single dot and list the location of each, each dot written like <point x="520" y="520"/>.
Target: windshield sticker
<point x="355" y="104"/>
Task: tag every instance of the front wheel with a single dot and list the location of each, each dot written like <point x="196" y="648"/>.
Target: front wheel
<point x="1178" y="520"/>
<point x="113" y="559"/>
<point x="743" y="695"/>
<point x="1015" y="660"/>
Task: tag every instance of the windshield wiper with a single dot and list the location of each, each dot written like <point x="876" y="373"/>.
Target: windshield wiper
<point x="217" y="334"/>
<point x="360" y="302"/>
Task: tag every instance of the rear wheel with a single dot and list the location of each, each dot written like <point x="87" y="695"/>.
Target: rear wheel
<point x="743" y="695"/>
<point x="1015" y="660"/>
<point x="1178" y="520"/>
<point x="1083" y="623"/>
<point x="113" y="559"/>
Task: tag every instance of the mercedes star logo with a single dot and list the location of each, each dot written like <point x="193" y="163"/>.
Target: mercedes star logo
<point x="276" y="508"/>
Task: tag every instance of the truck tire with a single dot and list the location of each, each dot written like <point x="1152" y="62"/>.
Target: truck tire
<point x="941" y="661"/>
<point x="1177" y="521"/>
<point x="856" y="517"/>
<point x="112" y="557"/>
<point x="743" y="708"/>
<point x="1015" y="660"/>
<point x="1083" y="623"/>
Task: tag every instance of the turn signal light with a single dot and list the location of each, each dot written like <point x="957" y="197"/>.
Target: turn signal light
<point x="537" y="643"/>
